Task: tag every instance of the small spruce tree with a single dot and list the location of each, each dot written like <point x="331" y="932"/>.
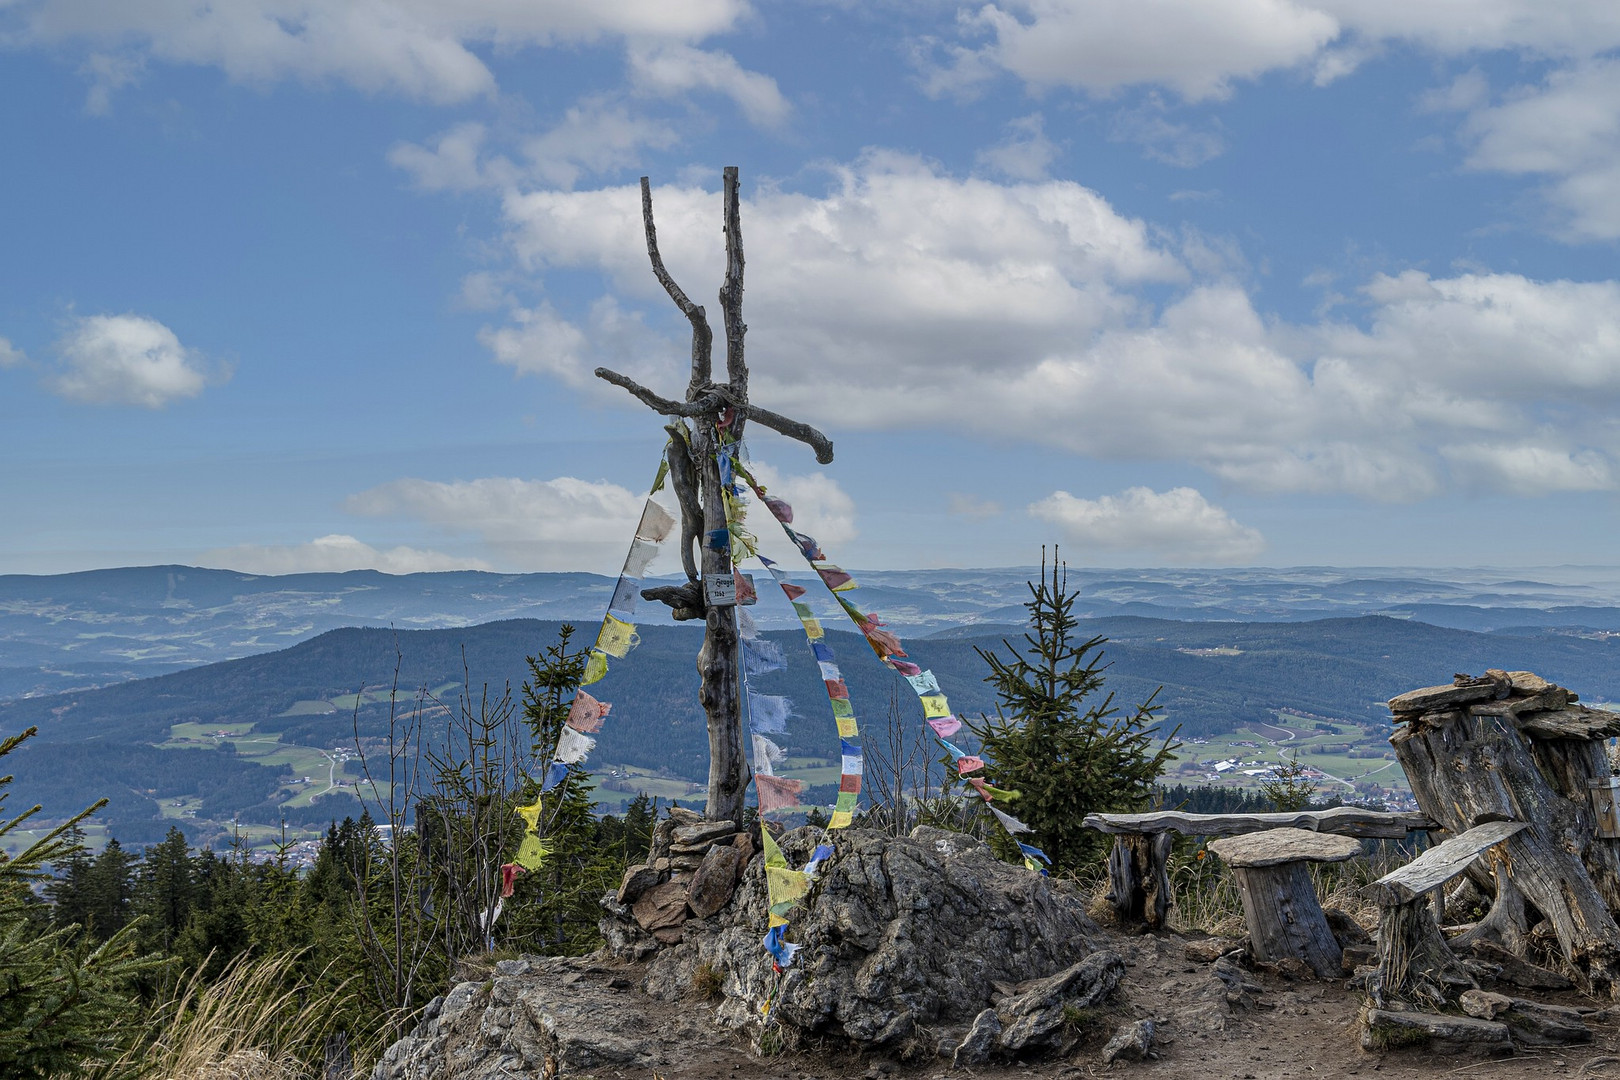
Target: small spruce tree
<point x="65" y="1000"/>
<point x="1051" y="739"/>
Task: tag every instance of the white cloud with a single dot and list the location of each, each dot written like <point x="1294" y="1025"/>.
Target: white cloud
<point x="333" y="554"/>
<point x="538" y="341"/>
<point x="1568" y="130"/>
<point x="126" y="360"/>
<point x="1178" y="525"/>
<point x="558" y="524"/>
<point x="452" y="163"/>
<point x="820" y="507"/>
<point x="1025" y="154"/>
<point x="903" y="297"/>
<point x="1531" y="469"/>
<point x="672" y="68"/>
<point x="1196" y="47"/>
<point x="10" y="355"/>
<point x="421" y="49"/>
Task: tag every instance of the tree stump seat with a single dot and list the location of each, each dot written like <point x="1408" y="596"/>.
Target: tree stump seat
<point x="1138" y="872"/>
<point x="1414" y="961"/>
<point x="1280" y="904"/>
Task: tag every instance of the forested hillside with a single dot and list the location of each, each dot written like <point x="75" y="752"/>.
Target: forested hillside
<point x="1214" y="678"/>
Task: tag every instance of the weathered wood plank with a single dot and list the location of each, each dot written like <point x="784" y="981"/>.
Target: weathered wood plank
<point x="1342" y="820"/>
<point x="1440" y="863"/>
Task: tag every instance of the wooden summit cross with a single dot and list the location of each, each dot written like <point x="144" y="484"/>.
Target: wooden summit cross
<point x="694" y="472"/>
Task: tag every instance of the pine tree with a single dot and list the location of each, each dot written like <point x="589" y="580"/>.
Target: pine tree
<point x="1066" y="753"/>
<point x="165" y="891"/>
<point x="64" y="1000"/>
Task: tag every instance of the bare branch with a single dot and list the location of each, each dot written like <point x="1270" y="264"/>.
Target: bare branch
<point x="793" y="429"/>
<point x="731" y="293"/>
<point x="702" y="336"/>
<point x="663" y="405"/>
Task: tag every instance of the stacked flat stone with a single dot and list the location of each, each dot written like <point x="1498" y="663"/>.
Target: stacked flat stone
<point x="1537" y="707"/>
<point x="691" y="871"/>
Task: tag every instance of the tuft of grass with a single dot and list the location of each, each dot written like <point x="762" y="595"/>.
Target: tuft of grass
<point x="255" y="1022"/>
<point x="707" y="981"/>
<point x="1390" y="1037"/>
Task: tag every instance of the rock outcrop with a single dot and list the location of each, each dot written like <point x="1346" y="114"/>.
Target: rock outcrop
<point x="911" y="946"/>
<point x="905" y="940"/>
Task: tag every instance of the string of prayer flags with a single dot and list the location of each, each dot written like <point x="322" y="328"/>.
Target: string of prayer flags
<point x="888" y="648"/>
<point x="586" y="713"/>
<point x="618" y="634"/>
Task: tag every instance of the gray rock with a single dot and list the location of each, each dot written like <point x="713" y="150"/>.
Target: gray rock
<point x="661" y="907"/>
<point x="1133" y="1042"/>
<point x="1035" y="1016"/>
<point x="715" y="881"/>
<point x="700" y="836"/>
<point x="637" y="881"/>
<point x="981" y="1039"/>
<point x="515" y="1025"/>
<point x="899" y="934"/>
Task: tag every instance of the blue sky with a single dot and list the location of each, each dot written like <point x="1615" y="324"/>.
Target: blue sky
<point x="309" y="286"/>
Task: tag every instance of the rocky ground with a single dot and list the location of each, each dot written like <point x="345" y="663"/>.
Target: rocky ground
<point x="1212" y="1021"/>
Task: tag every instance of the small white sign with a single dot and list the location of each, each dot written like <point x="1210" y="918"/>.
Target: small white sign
<point x="720" y="591"/>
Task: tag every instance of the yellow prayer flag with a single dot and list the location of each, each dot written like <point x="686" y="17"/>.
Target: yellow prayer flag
<point x="840" y="819"/>
<point x="846" y="727"/>
<point x="935" y="706"/>
<point x="773" y="854"/>
<point x="595" y="668"/>
<point x="532" y="852"/>
<point x="777" y="920"/>
<point x="785" y="886"/>
<point x="530" y="815"/>
<point x="617" y="637"/>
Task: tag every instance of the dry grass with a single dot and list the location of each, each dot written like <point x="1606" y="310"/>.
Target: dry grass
<point x="247" y="1025"/>
<point x="1205" y="898"/>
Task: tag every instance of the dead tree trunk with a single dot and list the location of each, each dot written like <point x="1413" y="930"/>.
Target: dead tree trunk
<point x="695" y="431"/>
<point x="1470" y="754"/>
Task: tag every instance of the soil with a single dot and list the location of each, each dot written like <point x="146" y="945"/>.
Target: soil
<point x="1282" y="1027"/>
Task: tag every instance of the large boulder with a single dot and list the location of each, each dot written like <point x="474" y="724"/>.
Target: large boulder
<point x="899" y="935"/>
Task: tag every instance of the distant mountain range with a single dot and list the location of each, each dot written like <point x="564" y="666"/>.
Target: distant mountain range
<point x="77" y="631"/>
<point x="159" y="746"/>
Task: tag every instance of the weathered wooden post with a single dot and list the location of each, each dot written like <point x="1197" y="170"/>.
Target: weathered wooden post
<point x="695" y="429"/>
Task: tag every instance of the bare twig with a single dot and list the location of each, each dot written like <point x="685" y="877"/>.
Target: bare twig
<point x="706" y="403"/>
<point x="702" y="336"/>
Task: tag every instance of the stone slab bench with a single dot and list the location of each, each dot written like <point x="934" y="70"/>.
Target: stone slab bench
<point x="1138" y="874"/>
<point x="1284" y="915"/>
<point x="1414" y="960"/>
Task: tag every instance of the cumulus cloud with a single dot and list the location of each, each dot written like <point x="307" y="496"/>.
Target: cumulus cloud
<point x="336" y="553"/>
<point x="906" y="297"/>
<point x="1568" y="130"/>
<point x="820" y="507"/>
<point x="420" y="49"/>
<point x="10" y="355"/>
<point x="673" y="68"/>
<point x="1178" y="525"/>
<point x="126" y="360"/>
<point x="1198" y="48"/>
<point x="560" y="524"/>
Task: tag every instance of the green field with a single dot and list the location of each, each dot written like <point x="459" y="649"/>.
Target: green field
<point x="1273" y="744"/>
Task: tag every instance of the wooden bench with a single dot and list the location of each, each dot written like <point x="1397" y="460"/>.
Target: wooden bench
<point x="1273" y="877"/>
<point x="1138" y="875"/>
<point x="1414" y="961"/>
